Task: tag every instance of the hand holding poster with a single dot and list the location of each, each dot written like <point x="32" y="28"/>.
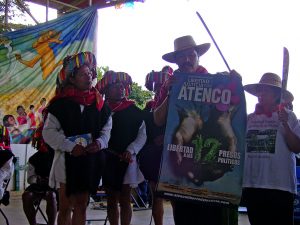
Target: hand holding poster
<point x="204" y="140"/>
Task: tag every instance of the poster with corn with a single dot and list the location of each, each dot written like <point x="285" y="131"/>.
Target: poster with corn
<point x="31" y="58"/>
<point x="203" y="152"/>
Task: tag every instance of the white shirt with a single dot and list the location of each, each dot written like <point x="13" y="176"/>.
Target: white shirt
<point x="133" y="175"/>
<point x="6" y="172"/>
<point x="268" y="161"/>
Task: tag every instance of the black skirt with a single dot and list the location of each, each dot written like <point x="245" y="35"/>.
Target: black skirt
<point x="114" y="171"/>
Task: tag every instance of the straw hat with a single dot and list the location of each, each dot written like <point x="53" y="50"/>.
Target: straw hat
<point x="271" y="80"/>
<point x="184" y="43"/>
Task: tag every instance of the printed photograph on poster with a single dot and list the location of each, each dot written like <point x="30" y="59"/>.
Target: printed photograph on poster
<point x="204" y="140"/>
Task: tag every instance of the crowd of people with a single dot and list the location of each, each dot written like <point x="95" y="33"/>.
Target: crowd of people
<point x="92" y="133"/>
<point x="22" y="125"/>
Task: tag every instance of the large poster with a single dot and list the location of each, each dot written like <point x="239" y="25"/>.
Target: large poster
<point x="31" y="58"/>
<point x="204" y="140"/>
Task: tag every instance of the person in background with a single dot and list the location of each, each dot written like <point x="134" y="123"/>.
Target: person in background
<point x="273" y="140"/>
<point x="23" y="119"/>
<point x="31" y="115"/>
<point x="7" y="161"/>
<point x="128" y="136"/>
<point x="77" y="127"/>
<point x="150" y="156"/>
<point x="4" y="138"/>
<point x="187" y="55"/>
<point x="43" y="102"/>
<point x="39" y="166"/>
<point x="10" y="123"/>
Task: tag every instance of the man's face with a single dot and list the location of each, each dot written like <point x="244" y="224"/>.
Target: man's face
<point x="115" y="92"/>
<point x="187" y="60"/>
<point x="82" y="79"/>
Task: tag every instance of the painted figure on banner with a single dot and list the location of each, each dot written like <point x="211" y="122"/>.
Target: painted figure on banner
<point x="32" y="116"/>
<point x="44" y="53"/>
<point x="31" y="57"/>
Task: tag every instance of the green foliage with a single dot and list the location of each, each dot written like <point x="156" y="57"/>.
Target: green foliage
<point x="15" y="10"/>
<point x="139" y="95"/>
<point x="100" y="71"/>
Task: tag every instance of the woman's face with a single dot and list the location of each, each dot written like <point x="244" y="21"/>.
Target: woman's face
<point x="82" y="79"/>
<point x="115" y="91"/>
<point x="21" y="111"/>
<point x="11" y="121"/>
<point x="267" y="96"/>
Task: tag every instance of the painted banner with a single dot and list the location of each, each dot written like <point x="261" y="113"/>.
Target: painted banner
<point x="31" y="58"/>
<point x="204" y="142"/>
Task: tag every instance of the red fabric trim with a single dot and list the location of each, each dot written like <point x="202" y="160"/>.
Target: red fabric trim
<point x="119" y="106"/>
<point x="85" y="98"/>
<point x="259" y="110"/>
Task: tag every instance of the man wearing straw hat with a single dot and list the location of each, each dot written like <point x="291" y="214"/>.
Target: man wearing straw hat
<point x="186" y="55"/>
<point x="272" y="142"/>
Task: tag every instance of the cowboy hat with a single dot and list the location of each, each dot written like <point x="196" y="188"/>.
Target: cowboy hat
<point x="184" y="43"/>
<point x="271" y="80"/>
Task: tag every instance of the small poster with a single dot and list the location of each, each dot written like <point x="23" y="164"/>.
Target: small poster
<point x="205" y="140"/>
<point x="81" y="139"/>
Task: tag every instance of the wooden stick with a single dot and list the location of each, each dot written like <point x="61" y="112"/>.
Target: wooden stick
<point x="214" y="41"/>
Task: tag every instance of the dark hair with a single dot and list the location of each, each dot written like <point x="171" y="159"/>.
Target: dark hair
<point x="5" y="120"/>
<point x="31" y="106"/>
<point x="43" y="100"/>
<point x="20" y="106"/>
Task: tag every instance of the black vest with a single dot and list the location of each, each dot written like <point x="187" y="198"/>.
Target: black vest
<point x="73" y="122"/>
<point x="126" y="124"/>
<point x="83" y="173"/>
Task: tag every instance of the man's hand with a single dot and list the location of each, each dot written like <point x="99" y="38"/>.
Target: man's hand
<point x="283" y="117"/>
<point x="233" y="73"/>
<point x="126" y="156"/>
<point x="93" y="147"/>
<point x="78" y="150"/>
<point x="168" y="83"/>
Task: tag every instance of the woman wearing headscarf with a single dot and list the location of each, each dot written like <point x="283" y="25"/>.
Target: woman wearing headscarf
<point x="77" y="128"/>
<point x="150" y="156"/>
<point x="272" y="141"/>
<point x="128" y="136"/>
